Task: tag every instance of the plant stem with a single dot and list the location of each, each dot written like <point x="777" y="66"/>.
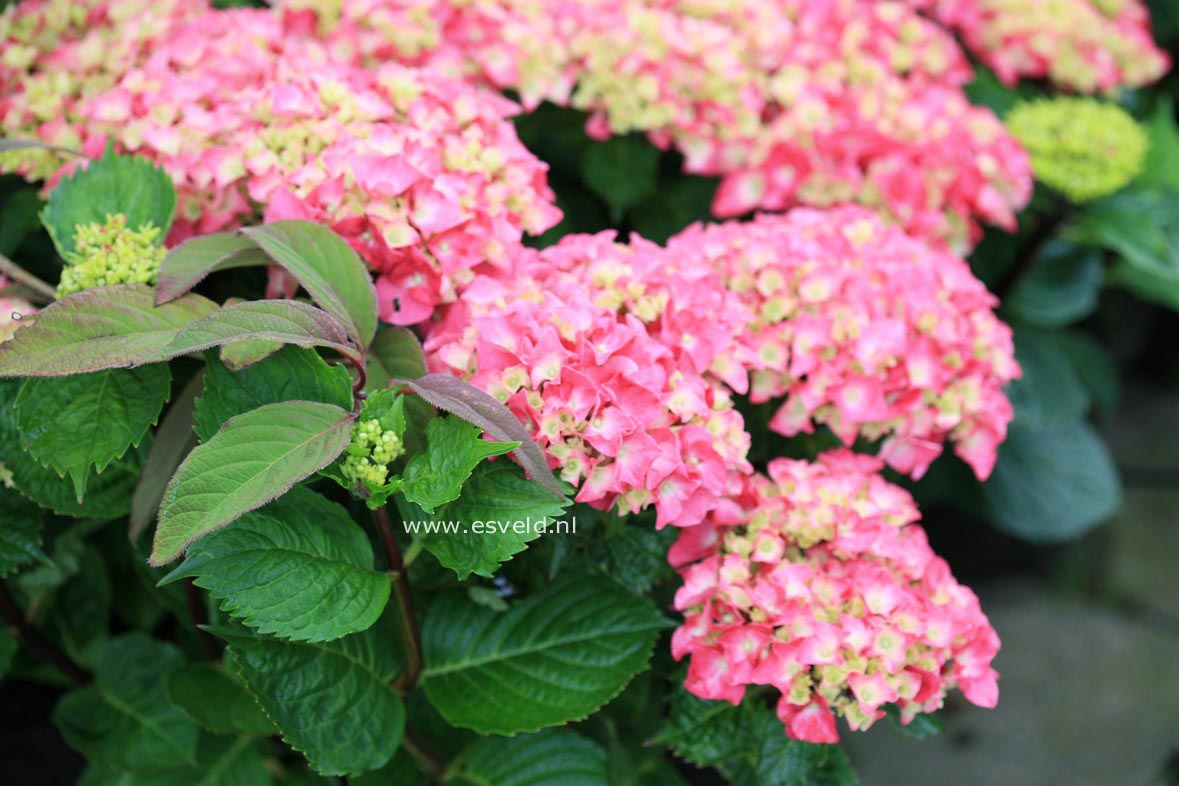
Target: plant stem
<point x="406" y="620"/>
<point x="18" y="273"/>
<point x="33" y="639"/>
<point x="422" y="752"/>
<point x="1041" y="235"/>
<point x="200" y="618"/>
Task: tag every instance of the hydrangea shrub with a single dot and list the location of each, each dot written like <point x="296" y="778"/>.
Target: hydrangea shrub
<point x="411" y="391"/>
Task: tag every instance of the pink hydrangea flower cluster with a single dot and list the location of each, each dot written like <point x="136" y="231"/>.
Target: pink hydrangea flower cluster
<point x="55" y="52"/>
<point x="865" y="329"/>
<point x="610" y="378"/>
<point x="826" y="590"/>
<point x="1083" y="45"/>
<point x="421" y="172"/>
<point x="800" y="102"/>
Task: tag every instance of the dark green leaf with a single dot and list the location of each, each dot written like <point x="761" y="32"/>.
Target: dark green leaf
<point x="707" y="732"/>
<point x="253" y="459"/>
<point x="8" y="647"/>
<point x="108" y="495"/>
<point x="290" y="374"/>
<point x="454" y="449"/>
<point x="1052" y="483"/>
<point x="332" y="701"/>
<point x="554" y="657"/>
<point x="634" y="555"/>
<point x="1049" y="392"/>
<point x="1061" y="287"/>
<point x="20" y="532"/>
<point x="1141" y="224"/>
<point x="511" y="511"/>
<point x="78" y="423"/>
<point x="555" y="757"/>
<point x="216" y="700"/>
<point x="124" y="720"/>
<point x="327" y="267"/>
<point x="479" y="409"/>
<point x="111" y="184"/>
<point x="96" y="329"/>
<point x="920" y="727"/>
<point x="221" y="761"/>
<point x="622" y="170"/>
<point x="298" y="568"/>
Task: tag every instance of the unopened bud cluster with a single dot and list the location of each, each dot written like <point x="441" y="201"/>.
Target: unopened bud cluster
<point x="1084" y="148"/>
<point x="110" y="253"/>
<point x="372" y="450"/>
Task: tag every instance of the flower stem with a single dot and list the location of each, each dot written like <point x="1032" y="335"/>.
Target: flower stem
<point x="18" y="273"/>
<point x="422" y="752"/>
<point x="33" y="639"/>
<point x="406" y="620"/>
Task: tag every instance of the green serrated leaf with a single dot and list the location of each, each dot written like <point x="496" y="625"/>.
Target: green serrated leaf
<point x="108" y="494"/>
<point x="81" y="607"/>
<point x="634" y="555"/>
<point x="253" y="459"/>
<point x="478" y="408"/>
<point x="512" y="511"/>
<point x="333" y="701"/>
<point x="111" y="184"/>
<point x="396" y="353"/>
<point x="327" y="267"/>
<point x="216" y="700"/>
<point x="221" y="761"/>
<point x="124" y="721"/>
<point x="622" y="171"/>
<point x="187" y="264"/>
<point x="96" y="329"/>
<point x="708" y="733"/>
<point x="298" y="568"/>
<point x="78" y="423"/>
<point x="20" y="532"/>
<point x="555" y="657"/>
<point x="554" y="757"/>
<point x="1052" y="483"/>
<point x="454" y="449"/>
<point x="290" y="374"/>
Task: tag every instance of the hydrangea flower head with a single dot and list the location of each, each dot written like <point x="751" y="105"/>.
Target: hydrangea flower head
<point x="110" y="253"/>
<point x="1081" y="147"/>
<point x="612" y="378"/>
<point x="860" y="327"/>
<point x="799" y="102"/>
<point x="1083" y="45"/>
<point x="826" y="589"/>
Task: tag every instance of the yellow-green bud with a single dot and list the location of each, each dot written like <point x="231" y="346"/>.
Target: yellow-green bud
<point x="371" y="452"/>
<point x="1081" y="147"/>
<point x="111" y="253"/>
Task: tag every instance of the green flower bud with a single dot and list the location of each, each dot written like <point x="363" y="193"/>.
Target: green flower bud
<point x="1081" y="147"/>
<point x="111" y="253"/>
<point x="368" y="456"/>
